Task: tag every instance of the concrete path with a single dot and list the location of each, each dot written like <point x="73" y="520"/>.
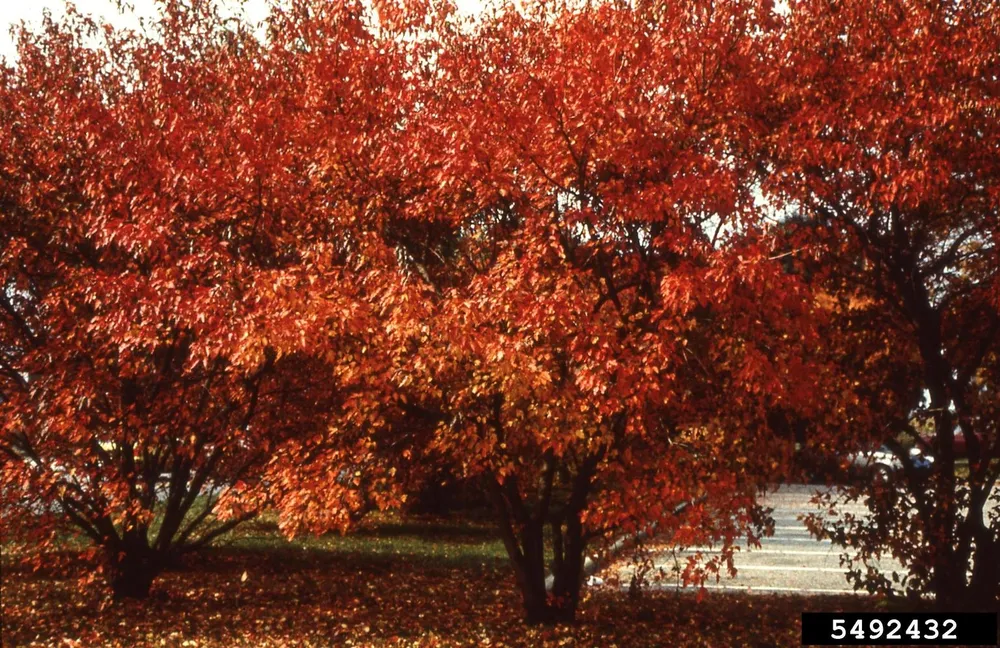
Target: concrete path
<point x="790" y="561"/>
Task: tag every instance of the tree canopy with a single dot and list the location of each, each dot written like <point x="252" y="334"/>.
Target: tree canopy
<point x="597" y="259"/>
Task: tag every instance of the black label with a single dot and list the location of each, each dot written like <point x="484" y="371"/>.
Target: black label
<point x="895" y="629"/>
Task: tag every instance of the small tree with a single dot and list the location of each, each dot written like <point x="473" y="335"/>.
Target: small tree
<point x="165" y="264"/>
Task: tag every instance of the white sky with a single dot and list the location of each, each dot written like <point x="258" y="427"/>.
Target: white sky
<point x="14" y="11"/>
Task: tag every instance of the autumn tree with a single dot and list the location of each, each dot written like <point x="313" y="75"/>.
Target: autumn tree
<point x="882" y="137"/>
<point x="576" y="293"/>
<point x="167" y="263"/>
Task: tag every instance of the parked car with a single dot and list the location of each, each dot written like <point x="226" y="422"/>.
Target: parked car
<point x="882" y="464"/>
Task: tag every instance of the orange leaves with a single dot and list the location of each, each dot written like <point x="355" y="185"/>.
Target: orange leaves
<point x="377" y="593"/>
<point x="541" y="263"/>
<point x="181" y="305"/>
<point x="880" y="142"/>
<point x="377" y="241"/>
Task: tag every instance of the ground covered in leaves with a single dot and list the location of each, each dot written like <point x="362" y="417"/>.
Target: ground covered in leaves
<point x="423" y="584"/>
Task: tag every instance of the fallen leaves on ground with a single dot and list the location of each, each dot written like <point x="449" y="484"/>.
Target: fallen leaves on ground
<point x="294" y="597"/>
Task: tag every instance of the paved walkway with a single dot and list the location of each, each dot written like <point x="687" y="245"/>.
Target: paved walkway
<point x="790" y="561"/>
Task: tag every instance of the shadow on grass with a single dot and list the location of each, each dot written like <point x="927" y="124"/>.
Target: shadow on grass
<point x="426" y="542"/>
<point x="461" y="531"/>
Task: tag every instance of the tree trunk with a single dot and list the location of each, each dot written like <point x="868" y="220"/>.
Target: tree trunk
<point x="542" y="604"/>
<point x="541" y="609"/>
<point x="132" y="573"/>
<point x="985" y="585"/>
<point x="524" y="540"/>
<point x="948" y="582"/>
<point x="567" y="564"/>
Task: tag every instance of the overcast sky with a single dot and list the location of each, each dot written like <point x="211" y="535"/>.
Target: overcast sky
<point x="13" y="11"/>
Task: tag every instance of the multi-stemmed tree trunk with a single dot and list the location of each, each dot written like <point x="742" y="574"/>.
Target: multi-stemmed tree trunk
<point x="134" y="567"/>
<point x="549" y="580"/>
<point x="143" y="499"/>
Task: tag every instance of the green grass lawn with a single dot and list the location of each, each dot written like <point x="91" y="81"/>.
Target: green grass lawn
<point x="429" y="541"/>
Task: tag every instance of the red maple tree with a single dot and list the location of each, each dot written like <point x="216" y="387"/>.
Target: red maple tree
<point x="578" y="299"/>
<point x="171" y="289"/>
<point x="882" y="136"/>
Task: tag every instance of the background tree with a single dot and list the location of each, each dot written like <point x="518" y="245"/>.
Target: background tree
<point x="885" y="135"/>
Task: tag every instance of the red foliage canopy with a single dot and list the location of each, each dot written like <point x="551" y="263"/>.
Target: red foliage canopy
<point x="169" y="266"/>
<point x="882" y="134"/>
<point x="580" y="307"/>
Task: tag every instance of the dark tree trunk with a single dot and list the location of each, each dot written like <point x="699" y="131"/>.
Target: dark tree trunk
<point x="567" y="564"/>
<point x="546" y="600"/>
<point x="133" y="572"/>
<point x="522" y="520"/>
<point x="985" y="584"/>
<point x="948" y="583"/>
<point x="524" y="541"/>
<point x="545" y="604"/>
<point x="542" y="609"/>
